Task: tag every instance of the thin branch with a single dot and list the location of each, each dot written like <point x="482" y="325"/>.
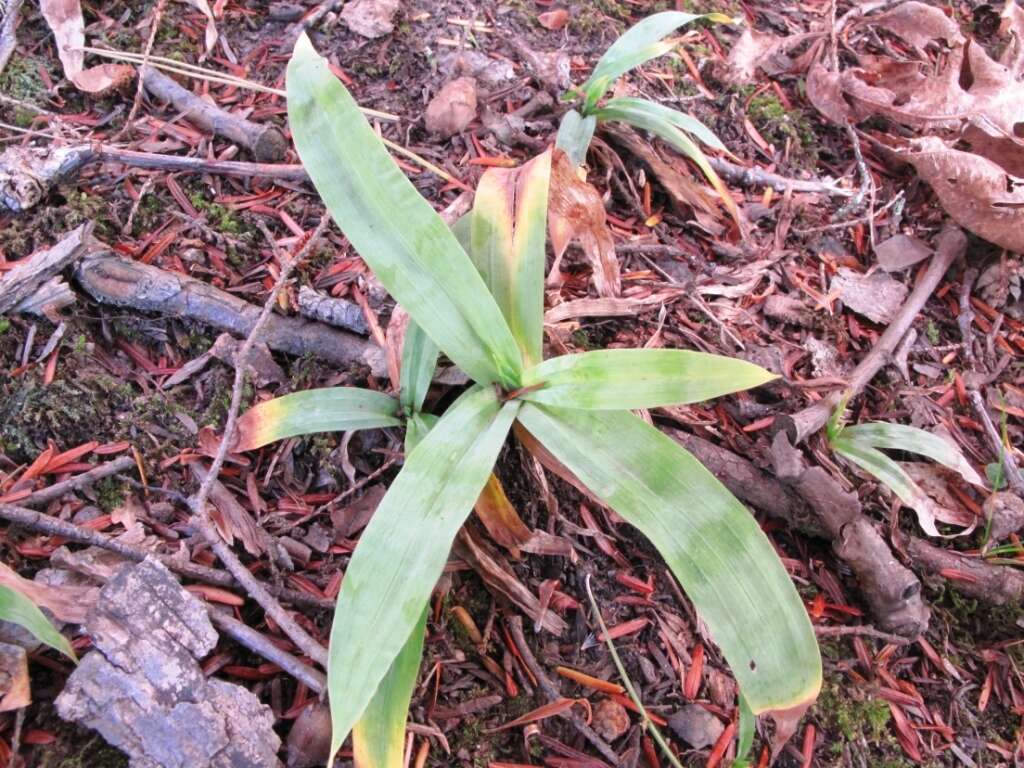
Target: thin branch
<point x="55" y="491"/>
<point x="200" y="509"/>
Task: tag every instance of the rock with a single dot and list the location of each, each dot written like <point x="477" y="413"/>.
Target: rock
<point x="144" y="691"/>
<point x="610" y="720"/>
<point x="696" y="726"/>
<point x="1004" y="511"/>
<point x="309" y="741"/>
<point x="370" y="18"/>
<point x="490" y="73"/>
<point x="877" y="297"/>
<point x="453" y="108"/>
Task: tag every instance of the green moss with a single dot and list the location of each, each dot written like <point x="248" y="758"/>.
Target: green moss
<point x="854" y="714"/>
<point x="109" y="493"/>
<point x="221" y="218"/>
<point x="776" y="124"/>
<point x="20" y="80"/>
<point x="5" y="324"/>
<point x="932" y="331"/>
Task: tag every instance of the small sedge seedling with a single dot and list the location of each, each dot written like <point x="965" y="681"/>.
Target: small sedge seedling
<point x="475" y="292"/>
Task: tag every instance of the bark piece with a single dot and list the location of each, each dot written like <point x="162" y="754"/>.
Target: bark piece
<point x="877" y="297"/>
<point x="1004" y="513"/>
<point x="339" y="312"/>
<point x="33" y="273"/>
<point x="112" y="279"/>
<point x="453" y="108"/>
<point x="266" y="142"/>
<point x="901" y="251"/>
<point x="144" y="691"/>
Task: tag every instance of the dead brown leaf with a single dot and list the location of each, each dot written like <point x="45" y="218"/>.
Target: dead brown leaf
<point x="978" y="194"/>
<point x="14" y="687"/>
<point x="453" y="108"/>
<point x="68" y="603"/>
<point x="919" y="24"/>
<point x="555" y="19"/>
<point x="65" y="20"/>
<point x="576" y="213"/>
<point x="761" y="50"/>
<point x="500" y="518"/>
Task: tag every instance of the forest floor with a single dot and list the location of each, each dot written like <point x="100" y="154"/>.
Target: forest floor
<point x="803" y="294"/>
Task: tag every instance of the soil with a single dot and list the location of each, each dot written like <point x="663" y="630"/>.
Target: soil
<point x="107" y="385"/>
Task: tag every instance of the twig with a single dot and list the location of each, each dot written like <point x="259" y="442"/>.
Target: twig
<point x="965" y="320"/>
<point x="51" y="526"/>
<point x="55" y="491"/>
<point x="257" y="643"/>
<point x="865" y="219"/>
<point x="995" y="584"/>
<point x="551" y="692"/>
<point x="757" y="177"/>
<point x="19" y="723"/>
<point x="200" y="510"/>
<point x="158" y="15"/>
<point x="864" y="630"/>
<point x="951" y="244"/>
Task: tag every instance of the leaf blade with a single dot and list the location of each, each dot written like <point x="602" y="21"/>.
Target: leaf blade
<point x="420" y="262"/>
<point x="419" y="359"/>
<point x="900" y="437"/>
<point x="396" y="564"/>
<point x="574" y="135"/>
<point x="19" y="609"/>
<point x="328" y="409"/>
<point x="644" y="475"/>
<point x="623" y="379"/>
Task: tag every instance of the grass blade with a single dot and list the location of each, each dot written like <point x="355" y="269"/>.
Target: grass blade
<point x="405" y="242"/>
<point x="642" y="42"/>
<point x="614" y="108"/>
<point x="713" y="545"/>
<point x="507" y="236"/>
<point x="419" y="359"/>
<point x="18" y="609"/>
<point x="665" y="129"/>
<point x="378" y="739"/>
<point x="574" y="135"/>
<point x="899" y="437"/>
<point x="622" y="379"/>
<point x="330" y="409"/>
<point x="404" y="548"/>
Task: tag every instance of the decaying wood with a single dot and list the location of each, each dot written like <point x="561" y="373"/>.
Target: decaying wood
<point x="995" y="584"/>
<point x="341" y="313"/>
<point x="951" y="245"/>
<point x="112" y="279"/>
<point x="8" y="28"/>
<point x="266" y="142"/>
<point x="19" y="286"/>
<point x="144" y="690"/>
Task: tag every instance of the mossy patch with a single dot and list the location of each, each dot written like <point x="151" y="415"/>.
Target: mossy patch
<point x="777" y="124"/>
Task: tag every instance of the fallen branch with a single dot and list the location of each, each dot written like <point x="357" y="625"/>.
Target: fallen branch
<point x="19" y="285"/>
<point x="113" y="279"/>
<point x="995" y="584"/>
<point x="266" y="142"/>
<point x="951" y="245"/>
<point x="51" y="526"/>
<point x="8" y="33"/>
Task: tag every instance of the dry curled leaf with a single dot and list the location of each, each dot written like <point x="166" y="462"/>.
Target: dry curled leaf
<point x="14" y="687"/>
<point x="555" y="19"/>
<point x="976" y="193"/>
<point x="576" y="212"/>
<point x="919" y="24"/>
<point x="68" y="603"/>
<point x="453" y="108"/>
<point x="65" y="20"/>
<point x="761" y="50"/>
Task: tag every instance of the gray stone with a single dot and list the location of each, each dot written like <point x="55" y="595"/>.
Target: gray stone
<point x="696" y="726"/>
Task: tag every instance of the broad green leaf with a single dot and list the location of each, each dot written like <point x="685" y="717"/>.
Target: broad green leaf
<point x="899" y="437"/>
<point x="330" y="409"/>
<point x="622" y="379"/>
<point x="574" y="135"/>
<point x="887" y="471"/>
<point x="402" y="551"/>
<point x="508" y="228"/>
<point x="417" y="428"/>
<point x="411" y="251"/>
<point x="642" y="42"/>
<point x="618" y="109"/>
<point x="713" y="545"/>
<point x="419" y="359"/>
<point x="18" y="609"/>
<point x="667" y="130"/>
<point x="378" y="739"/>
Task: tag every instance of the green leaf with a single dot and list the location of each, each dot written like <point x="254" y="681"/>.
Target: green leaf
<point x="887" y="471"/>
<point x="667" y="130"/>
<point x="507" y="233"/>
<point x="574" y="135"/>
<point x="411" y="251"/>
<point x="402" y="551"/>
<point x="18" y="609"/>
<point x="620" y="379"/>
<point x="330" y="409"/>
<point x="899" y="437"/>
<point x="627" y="107"/>
<point x="713" y="545"/>
<point x="419" y="359"/>
<point x="378" y="739"/>
<point x="642" y="42"/>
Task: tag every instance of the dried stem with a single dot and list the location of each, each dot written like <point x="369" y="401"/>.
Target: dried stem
<point x="55" y="491"/>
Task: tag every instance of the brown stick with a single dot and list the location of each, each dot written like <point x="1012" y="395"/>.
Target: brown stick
<point x="112" y="279"/>
<point x="799" y="426"/>
<point x="51" y="526"/>
<point x="55" y="491"/>
<point x="266" y="142"/>
<point x="996" y="584"/>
